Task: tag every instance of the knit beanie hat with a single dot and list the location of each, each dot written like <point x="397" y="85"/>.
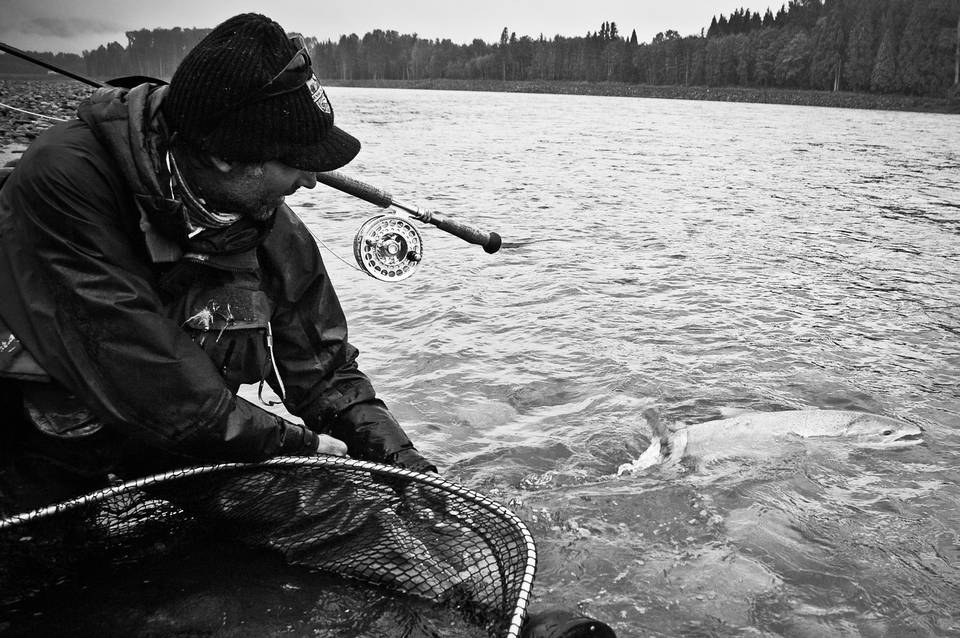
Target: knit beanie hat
<point x="245" y="94"/>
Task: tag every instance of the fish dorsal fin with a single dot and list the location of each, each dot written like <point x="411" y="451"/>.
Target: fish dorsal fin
<point x="729" y="412"/>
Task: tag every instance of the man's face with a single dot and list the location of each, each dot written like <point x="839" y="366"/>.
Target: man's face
<point x="256" y="190"/>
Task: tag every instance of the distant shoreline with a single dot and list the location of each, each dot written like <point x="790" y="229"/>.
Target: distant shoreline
<point x="838" y="99"/>
<point x="56" y="96"/>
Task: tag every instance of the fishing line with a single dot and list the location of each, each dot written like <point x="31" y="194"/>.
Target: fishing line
<point x="373" y="236"/>
<point x="361" y="240"/>
<point x="31" y="113"/>
<point x="317" y="239"/>
<point x="387" y="247"/>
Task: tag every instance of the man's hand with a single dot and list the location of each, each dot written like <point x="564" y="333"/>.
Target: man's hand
<point x="326" y="444"/>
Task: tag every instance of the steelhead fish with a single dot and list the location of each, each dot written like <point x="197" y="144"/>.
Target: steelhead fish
<point x="756" y="434"/>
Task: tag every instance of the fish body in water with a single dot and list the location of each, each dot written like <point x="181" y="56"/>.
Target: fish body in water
<point x="756" y="434"/>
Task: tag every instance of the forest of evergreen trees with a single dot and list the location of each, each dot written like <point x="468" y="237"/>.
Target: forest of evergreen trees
<point x="882" y="46"/>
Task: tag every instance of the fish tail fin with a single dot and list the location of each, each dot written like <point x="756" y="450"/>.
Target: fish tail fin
<point x="652" y="417"/>
<point x="654" y="454"/>
<point x="651" y="456"/>
<point x="677" y="447"/>
<point x="670" y="444"/>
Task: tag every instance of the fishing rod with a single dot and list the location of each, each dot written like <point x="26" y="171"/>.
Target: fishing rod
<point x="387" y="246"/>
<point x="125" y="82"/>
<point x="6" y="48"/>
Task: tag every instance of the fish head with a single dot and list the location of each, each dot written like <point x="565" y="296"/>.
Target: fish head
<point x="874" y="431"/>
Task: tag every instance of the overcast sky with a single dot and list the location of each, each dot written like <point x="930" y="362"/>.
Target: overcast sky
<point x="78" y="25"/>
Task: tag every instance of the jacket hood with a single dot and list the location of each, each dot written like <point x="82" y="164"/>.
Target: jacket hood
<point x="128" y="123"/>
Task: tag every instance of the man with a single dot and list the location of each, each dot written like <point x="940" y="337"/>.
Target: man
<point x="149" y="265"/>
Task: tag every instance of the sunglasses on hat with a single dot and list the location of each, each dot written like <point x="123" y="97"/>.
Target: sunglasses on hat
<point x="296" y="73"/>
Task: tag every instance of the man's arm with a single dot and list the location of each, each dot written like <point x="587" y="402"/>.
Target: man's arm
<point x="318" y="364"/>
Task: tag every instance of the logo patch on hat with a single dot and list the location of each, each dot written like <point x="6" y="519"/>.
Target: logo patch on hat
<point x="319" y="95"/>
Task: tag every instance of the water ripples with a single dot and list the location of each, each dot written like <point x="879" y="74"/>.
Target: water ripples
<point x="694" y="257"/>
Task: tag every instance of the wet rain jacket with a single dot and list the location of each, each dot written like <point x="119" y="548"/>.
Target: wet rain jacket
<point x="96" y="287"/>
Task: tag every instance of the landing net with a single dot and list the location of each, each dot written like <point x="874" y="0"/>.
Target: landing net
<point x="410" y="533"/>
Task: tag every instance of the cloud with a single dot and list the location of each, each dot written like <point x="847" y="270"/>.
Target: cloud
<point x="66" y="27"/>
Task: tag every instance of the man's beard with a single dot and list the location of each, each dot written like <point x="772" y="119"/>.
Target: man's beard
<point x="242" y="194"/>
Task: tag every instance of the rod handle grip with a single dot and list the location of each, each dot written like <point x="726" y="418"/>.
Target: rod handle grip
<point x="489" y="241"/>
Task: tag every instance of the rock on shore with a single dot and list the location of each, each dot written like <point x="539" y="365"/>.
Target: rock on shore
<point x="56" y="99"/>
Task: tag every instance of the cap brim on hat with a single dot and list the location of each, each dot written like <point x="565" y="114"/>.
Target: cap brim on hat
<point x="335" y="150"/>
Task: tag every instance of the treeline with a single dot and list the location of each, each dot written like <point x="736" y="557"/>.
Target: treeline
<point x="149" y="52"/>
<point x="883" y="46"/>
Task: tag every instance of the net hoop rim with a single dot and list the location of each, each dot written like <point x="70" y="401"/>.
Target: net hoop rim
<point x="326" y="461"/>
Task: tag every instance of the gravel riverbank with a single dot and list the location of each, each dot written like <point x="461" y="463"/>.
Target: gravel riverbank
<point x="56" y="99"/>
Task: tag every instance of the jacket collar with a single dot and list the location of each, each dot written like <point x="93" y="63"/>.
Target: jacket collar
<point x="129" y="122"/>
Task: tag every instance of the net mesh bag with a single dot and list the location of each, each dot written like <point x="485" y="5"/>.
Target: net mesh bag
<point x="405" y="532"/>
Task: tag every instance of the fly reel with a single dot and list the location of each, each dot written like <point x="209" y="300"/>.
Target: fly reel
<point x="388" y="247"/>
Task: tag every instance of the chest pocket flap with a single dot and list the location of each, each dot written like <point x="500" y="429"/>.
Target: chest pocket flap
<point x="230" y="323"/>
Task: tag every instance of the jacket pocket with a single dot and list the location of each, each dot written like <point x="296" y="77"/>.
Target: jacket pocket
<point x="56" y="412"/>
<point x="232" y="327"/>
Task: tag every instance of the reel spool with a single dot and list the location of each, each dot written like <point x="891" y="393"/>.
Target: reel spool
<point x="388" y="247"/>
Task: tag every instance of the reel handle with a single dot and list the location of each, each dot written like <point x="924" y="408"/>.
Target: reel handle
<point x="489" y="241"/>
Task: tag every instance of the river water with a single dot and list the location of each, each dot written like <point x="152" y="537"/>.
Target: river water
<point x="696" y="258"/>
